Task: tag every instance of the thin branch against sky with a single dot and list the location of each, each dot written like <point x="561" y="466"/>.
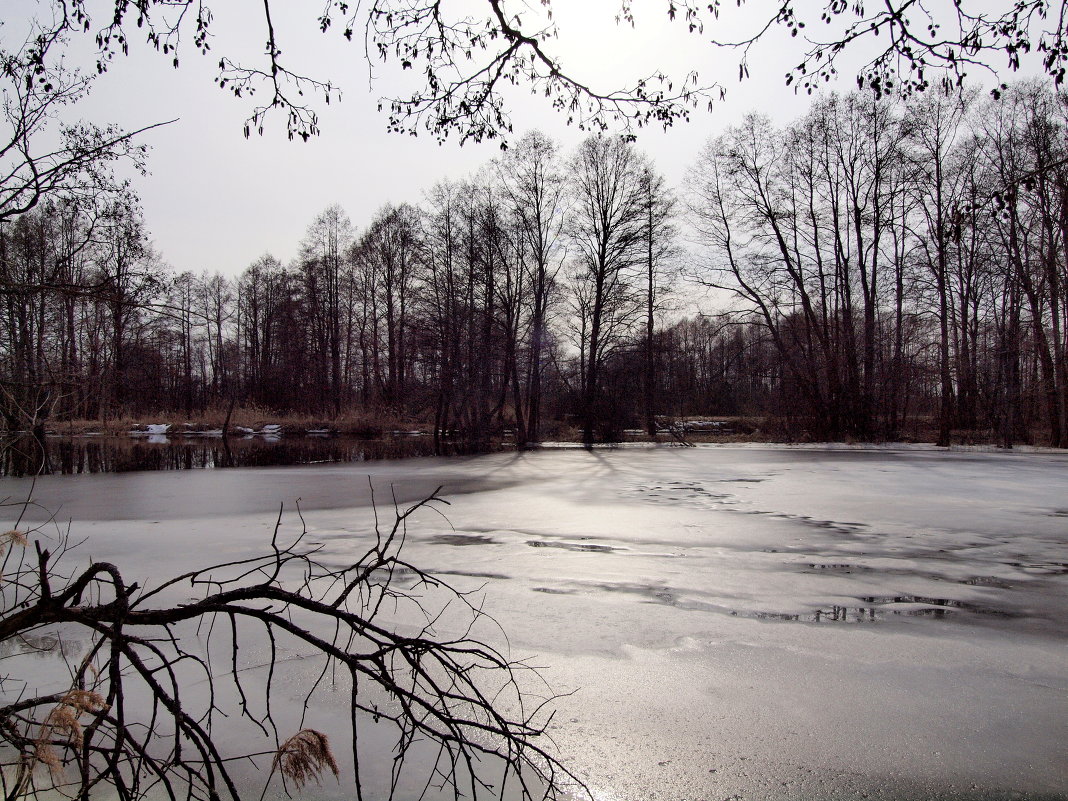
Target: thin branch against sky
<point x="217" y="201"/>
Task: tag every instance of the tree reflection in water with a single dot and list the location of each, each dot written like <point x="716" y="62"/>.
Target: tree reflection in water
<point x="108" y="454"/>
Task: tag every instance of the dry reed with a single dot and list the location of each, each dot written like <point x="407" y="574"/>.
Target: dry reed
<point x="303" y="756"/>
<point x="63" y="723"/>
<point x="13" y="536"/>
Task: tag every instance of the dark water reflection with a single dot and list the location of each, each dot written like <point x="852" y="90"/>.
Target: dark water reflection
<point x="106" y="454"/>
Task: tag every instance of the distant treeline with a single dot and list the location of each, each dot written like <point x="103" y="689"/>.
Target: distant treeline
<point x="878" y="264"/>
<point x="894" y="260"/>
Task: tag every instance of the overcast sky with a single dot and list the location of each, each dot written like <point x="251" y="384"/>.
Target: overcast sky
<point x="216" y="201"/>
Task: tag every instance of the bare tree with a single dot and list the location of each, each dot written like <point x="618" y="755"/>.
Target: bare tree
<point x="324" y="262"/>
<point x="535" y="185"/>
<point x="940" y="187"/>
<point x="658" y="234"/>
<point x="41" y="157"/>
<point x="389" y="257"/>
<point x="606" y="229"/>
<point x="124" y="717"/>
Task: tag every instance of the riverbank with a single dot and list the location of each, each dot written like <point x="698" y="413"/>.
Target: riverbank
<point x="240" y="420"/>
<point x="252" y="437"/>
<point x="723" y="429"/>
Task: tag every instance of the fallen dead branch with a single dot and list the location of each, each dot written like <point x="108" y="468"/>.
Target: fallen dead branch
<point x="126" y="718"/>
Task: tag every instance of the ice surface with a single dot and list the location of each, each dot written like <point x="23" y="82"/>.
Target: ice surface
<point x="750" y="622"/>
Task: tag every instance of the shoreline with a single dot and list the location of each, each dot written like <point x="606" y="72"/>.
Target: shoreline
<point x="277" y="432"/>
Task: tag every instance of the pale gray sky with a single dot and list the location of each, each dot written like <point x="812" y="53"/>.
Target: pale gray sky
<point x="216" y="201"/>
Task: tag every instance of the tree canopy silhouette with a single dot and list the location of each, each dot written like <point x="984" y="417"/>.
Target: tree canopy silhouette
<point x="469" y="56"/>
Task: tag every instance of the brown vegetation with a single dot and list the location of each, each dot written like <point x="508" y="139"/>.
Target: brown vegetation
<point x="349" y="423"/>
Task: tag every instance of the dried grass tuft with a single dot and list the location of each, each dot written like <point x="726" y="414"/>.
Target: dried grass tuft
<point x="63" y="723"/>
<point x="14" y="536"/>
<point x="303" y="756"/>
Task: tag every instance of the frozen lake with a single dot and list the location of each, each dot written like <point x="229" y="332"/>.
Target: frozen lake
<point x="738" y="622"/>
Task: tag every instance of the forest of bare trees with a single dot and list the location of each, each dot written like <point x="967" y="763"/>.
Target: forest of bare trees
<point x="894" y="261"/>
<point x="876" y="268"/>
